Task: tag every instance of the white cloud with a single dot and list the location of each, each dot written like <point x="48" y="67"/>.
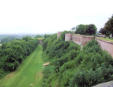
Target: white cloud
<point x="48" y="16"/>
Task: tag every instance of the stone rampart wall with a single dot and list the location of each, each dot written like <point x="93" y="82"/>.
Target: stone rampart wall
<point x="79" y="39"/>
<point x="108" y="46"/>
<point x="59" y="34"/>
<point x="68" y="37"/>
<point x="82" y="40"/>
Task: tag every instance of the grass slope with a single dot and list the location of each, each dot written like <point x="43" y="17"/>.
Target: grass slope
<point x="29" y="74"/>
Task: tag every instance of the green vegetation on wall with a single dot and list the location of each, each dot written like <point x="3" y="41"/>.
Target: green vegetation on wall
<point x="71" y="66"/>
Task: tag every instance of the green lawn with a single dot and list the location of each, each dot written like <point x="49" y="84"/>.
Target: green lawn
<point x="106" y="39"/>
<point x="29" y="74"/>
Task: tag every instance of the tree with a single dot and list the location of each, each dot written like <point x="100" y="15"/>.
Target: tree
<point x="104" y="31"/>
<point x="73" y="29"/>
<point x="27" y="38"/>
<point x="109" y="25"/>
<point x="80" y="29"/>
<point x="86" y="29"/>
<point x="39" y="36"/>
<point x="91" y="29"/>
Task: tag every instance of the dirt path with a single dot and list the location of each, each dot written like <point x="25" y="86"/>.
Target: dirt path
<point x="106" y="46"/>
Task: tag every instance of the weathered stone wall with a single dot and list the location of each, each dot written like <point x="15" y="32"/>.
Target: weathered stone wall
<point x="68" y="37"/>
<point x="59" y="34"/>
<point x="86" y="39"/>
<point x="82" y="40"/>
<point x="108" y="46"/>
<point x="79" y="39"/>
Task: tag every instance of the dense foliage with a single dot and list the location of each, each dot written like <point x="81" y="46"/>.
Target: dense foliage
<point x="86" y="29"/>
<point x="104" y="31"/>
<point x="71" y="66"/>
<point x="108" y="28"/>
<point x="109" y="25"/>
<point x="94" y="66"/>
<point x="14" y="52"/>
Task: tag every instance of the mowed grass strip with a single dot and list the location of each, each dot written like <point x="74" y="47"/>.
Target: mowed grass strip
<point x="106" y="39"/>
<point x="29" y="74"/>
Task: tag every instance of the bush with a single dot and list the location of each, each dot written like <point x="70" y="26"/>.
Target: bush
<point x="14" y="52"/>
<point x="75" y="67"/>
<point x="94" y="66"/>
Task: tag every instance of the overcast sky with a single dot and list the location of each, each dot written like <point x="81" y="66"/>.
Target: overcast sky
<point x="49" y="16"/>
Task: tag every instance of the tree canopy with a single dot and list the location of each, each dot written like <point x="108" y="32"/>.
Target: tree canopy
<point x="104" y="31"/>
<point x="86" y="29"/>
<point x="109" y="25"/>
<point x="12" y="53"/>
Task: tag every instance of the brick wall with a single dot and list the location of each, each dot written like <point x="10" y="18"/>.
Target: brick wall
<point x="108" y="46"/>
<point x="82" y="40"/>
<point x="59" y="34"/>
<point x="86" y="39"/>
<point x="68" y="37"/>
<point x="79" y="39"/>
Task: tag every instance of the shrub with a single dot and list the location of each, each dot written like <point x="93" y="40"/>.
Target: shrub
<point x="94" y="66"/>
<point x="14" y="52"/>
<point x="75" y="67"/>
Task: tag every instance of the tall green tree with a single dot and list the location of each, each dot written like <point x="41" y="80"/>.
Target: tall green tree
<point x="81" y="29"/>
<point x="86" y="29"/>
<point x="91" y="29"/>
<point x="104" y="31"/>
<point x="109" y="25"/>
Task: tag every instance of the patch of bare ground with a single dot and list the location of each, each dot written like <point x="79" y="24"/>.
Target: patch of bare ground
<point x="46" y="64"/>
<point x="10" y="75"/>
<point x="39" y="74"/>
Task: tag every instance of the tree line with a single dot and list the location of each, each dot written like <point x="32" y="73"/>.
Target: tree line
<point x="85" y="29"/>
<point x="91" y="29"/>
<point x="14" y="52"/>
<point x="108" y="27"/>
